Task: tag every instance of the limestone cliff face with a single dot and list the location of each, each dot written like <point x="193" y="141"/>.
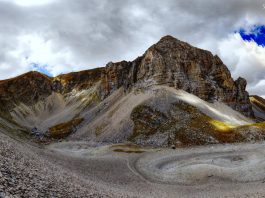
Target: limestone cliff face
<point x="177" y="64"/>
<point x="90" y="104"/>
<point x="116" y="75"/>
<point x="169" y="62"/>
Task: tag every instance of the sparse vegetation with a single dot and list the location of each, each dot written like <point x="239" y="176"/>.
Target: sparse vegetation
<point x="127" y="148"/>
<point x="127" y="151"/>
<point x="64" y="129"/>
<point x="147" y="121"/>
<point x="184" y="124"/>
<point x="259" y="125"/>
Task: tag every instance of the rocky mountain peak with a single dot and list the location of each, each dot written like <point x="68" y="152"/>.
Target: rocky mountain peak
<point x="168" y="42"/>
<point x="169" y="62"/>
<point x="177" y="64"/>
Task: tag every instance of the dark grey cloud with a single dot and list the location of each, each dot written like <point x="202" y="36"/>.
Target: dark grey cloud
<point x="79" y="34"/>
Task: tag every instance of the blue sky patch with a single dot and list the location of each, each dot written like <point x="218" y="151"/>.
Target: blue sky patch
<point x="40" y="68"/>
<point x="256" y="34"/>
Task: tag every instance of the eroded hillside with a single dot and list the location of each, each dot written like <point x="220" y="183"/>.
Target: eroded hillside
<point x="175" y="94"/>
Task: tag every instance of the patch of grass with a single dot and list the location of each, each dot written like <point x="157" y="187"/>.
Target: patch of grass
<point x="131" y="146"/>
<point x="147" y="121"/>
<point x="127" y="148"/>
<point x="184" y="123"/>
<point x="127" y="151"/>
<point x="64" y="129"/>
<point x="259" y="125"/>
<point x="222" y="132"/>
<point x="221" y="126"/>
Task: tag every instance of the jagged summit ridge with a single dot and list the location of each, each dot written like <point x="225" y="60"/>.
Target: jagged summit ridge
<point x="177" y="64"/>
<point x="169" y="62"/>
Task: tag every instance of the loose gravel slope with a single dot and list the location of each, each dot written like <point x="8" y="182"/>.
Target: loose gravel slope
<point x="24" y="172"/>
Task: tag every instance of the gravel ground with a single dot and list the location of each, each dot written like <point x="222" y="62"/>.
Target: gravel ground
<point x="25" y="173"/>
<point x="242" y="163"/>
<point x="74" y="169"/>
<point x="205" y="171"/>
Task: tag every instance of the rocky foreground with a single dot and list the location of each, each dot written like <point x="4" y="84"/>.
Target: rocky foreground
<point x="74" y="169"/>
<point x="174" y="95"/>
<point x="25" y="172"/>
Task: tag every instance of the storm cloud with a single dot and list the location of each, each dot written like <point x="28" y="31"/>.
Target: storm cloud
<point x="70" y="35"/>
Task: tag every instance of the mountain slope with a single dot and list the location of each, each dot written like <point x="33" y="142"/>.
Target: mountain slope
<point x="173" y="94"/>
<point x="177" y="64"/>
<point x="258" y="106"/>
<point x="162" y="116"/>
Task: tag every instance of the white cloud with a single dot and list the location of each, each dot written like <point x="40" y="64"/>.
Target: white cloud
<point x="245" y="59"/>
<point x="33" y="48"/>
<point x="67" y="35"/>
<point x="29" y="3"/>
<point x="258" y="88"/>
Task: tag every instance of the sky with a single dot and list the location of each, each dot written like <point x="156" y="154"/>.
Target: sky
<point x="60" y="36"/>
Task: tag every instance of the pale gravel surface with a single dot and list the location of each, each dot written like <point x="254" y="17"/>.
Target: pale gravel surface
<point x="26" y="171"/>
<point x="157" y="173"/>
<point x="240" y="163"/>
<point x="75" y="169"/>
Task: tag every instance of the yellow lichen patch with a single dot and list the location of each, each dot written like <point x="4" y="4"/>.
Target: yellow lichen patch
<point x="221" y="126"/>
<point x="64" y="129"/>
<point x="258" y="125"/>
